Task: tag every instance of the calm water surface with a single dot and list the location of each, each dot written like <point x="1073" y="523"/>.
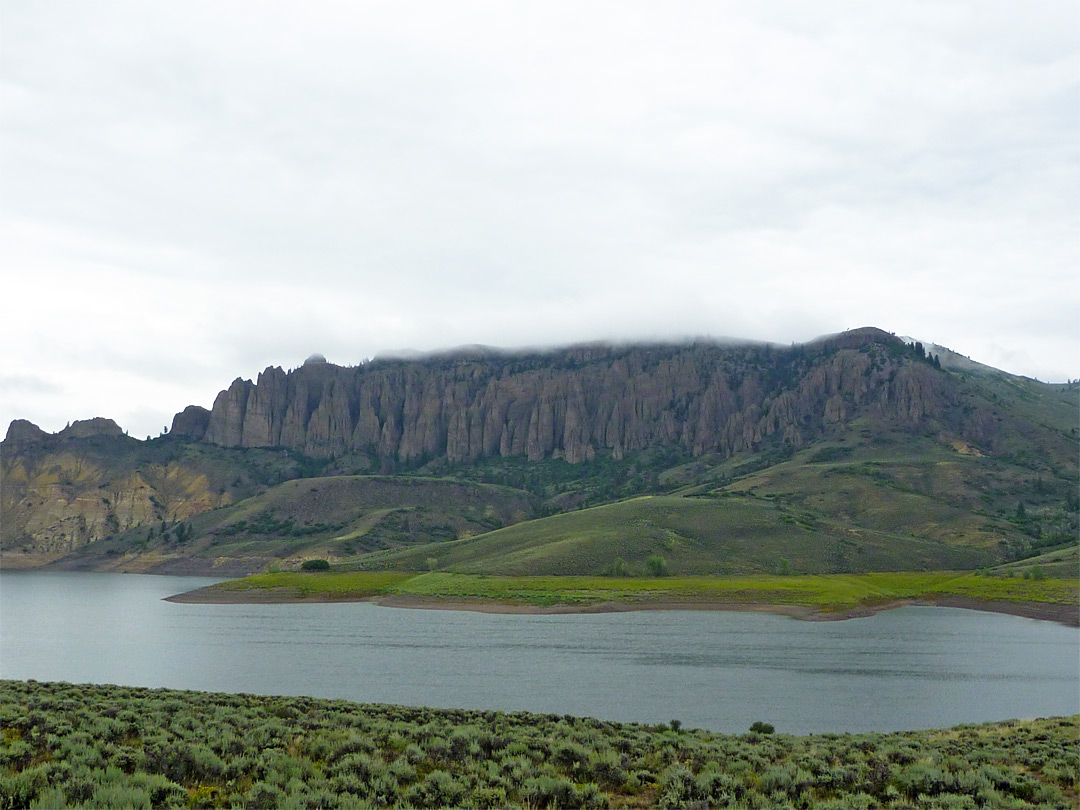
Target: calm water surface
<point x="916" y="667"/>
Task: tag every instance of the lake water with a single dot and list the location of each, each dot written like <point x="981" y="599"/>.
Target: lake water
<point x="916" y="667"/>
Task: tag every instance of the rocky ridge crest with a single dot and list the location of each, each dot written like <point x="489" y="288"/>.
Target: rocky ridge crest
<point x="583" y="401"/>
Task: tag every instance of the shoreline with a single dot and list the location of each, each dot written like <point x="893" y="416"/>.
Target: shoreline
<point x="1043" y="611"/>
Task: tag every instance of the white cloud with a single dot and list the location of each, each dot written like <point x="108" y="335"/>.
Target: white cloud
<point x="194" y="191"/>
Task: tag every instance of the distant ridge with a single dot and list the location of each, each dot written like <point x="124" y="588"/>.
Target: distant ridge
<point x="856" y="451"/>
<point x="573" y="403"/>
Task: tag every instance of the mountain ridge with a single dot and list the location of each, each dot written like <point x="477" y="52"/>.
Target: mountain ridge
<point x="574" y="426"/>
<point x="576" y="402"/>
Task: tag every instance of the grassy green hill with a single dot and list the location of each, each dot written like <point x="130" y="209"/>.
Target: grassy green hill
<point x="729" y="533"/>
<point x="882" y="502"/>
<point x="1062" y="562"/>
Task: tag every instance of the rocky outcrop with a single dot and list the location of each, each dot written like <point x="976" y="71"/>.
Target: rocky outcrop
<point x="21" y="431"/>
<point x="190" y="423"/>
<point x="225" y="426"/>
<point x="60" y="499"/>
<point x="61" y="491"/>
<point x="580" y="402"/>
<point x="85" y="428"/>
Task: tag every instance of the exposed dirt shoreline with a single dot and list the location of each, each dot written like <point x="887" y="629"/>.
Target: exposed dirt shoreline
<point x="1065" y="614"/>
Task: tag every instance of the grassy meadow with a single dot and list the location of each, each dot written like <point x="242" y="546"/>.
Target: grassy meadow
<point x="835" y="592"/>
<point x="111" y="747"/>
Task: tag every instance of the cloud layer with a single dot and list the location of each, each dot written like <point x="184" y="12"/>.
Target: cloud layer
<point x="195" y="191"/>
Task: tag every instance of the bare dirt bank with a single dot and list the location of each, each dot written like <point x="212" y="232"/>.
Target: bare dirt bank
<point x="1065" y="614"/>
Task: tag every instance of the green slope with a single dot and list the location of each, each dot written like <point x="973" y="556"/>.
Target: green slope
<point x="1062" y="562"/>
<point x="868" y="500"/>
<point x="730" y="534"/>
<point x="923" y="486"/>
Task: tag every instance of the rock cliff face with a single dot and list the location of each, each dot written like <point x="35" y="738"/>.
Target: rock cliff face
<point x="78" y="501"/>
<point x="60" y="491"/>
<point x="580" y="402"/>
<point x="64" y="496"/>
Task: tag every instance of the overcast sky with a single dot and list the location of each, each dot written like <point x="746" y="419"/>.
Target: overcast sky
<point x="192" y="191"/>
